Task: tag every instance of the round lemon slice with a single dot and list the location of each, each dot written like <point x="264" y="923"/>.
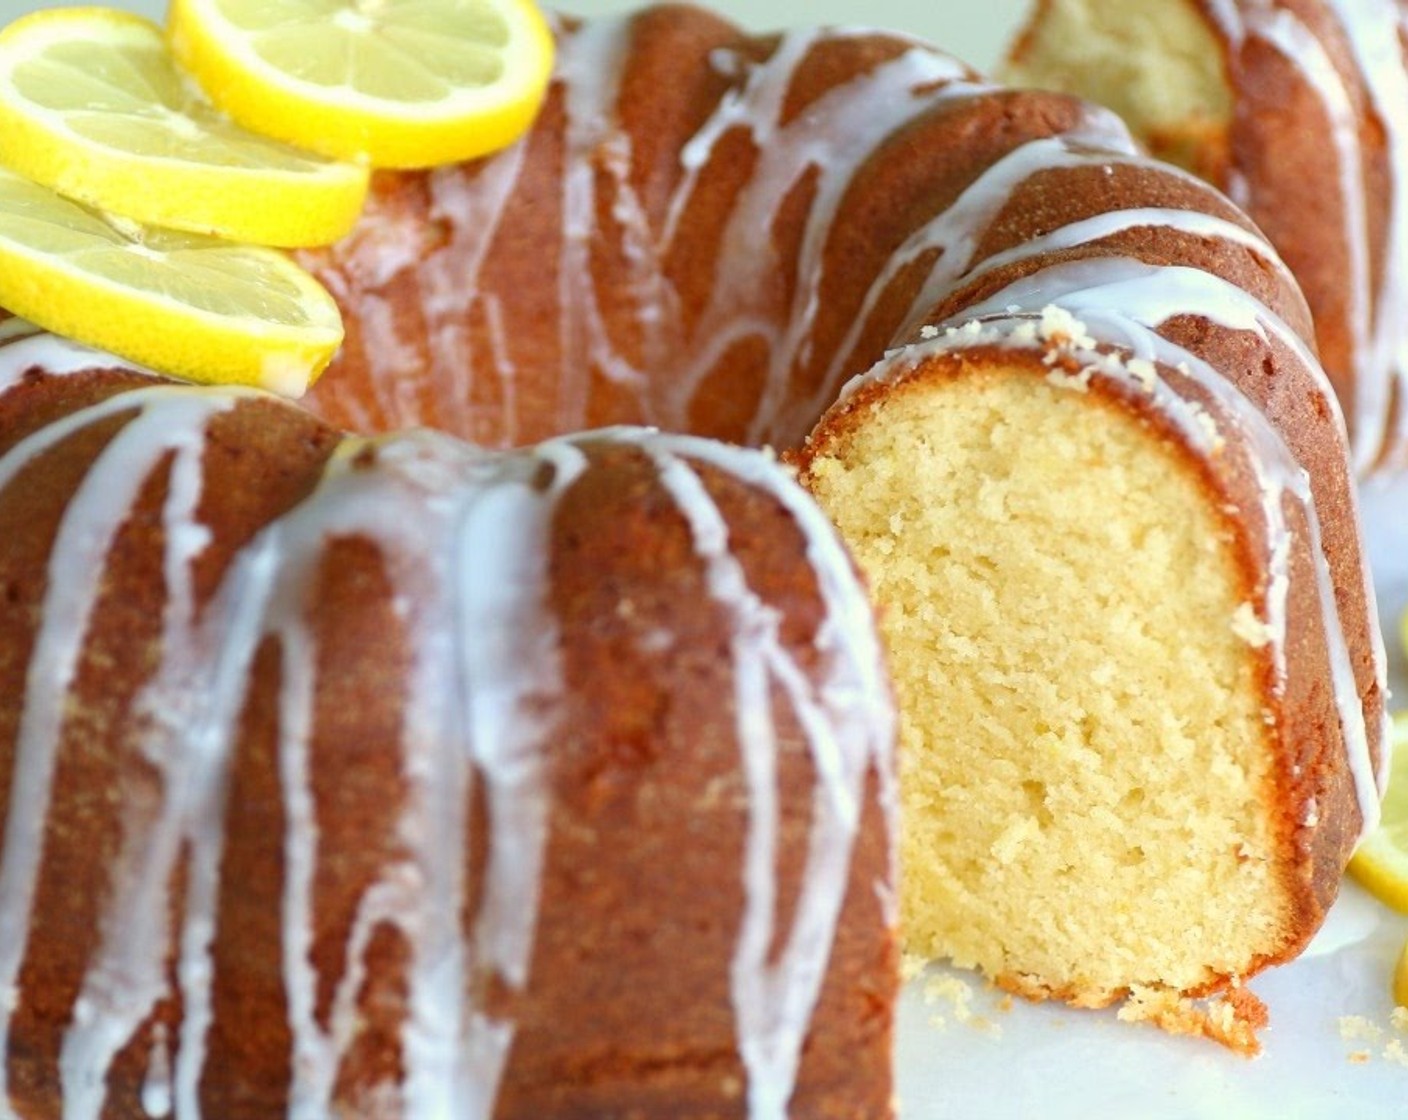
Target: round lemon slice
<point x="1381" y="863"/>
<point x="194" y="307"/>
<point x="92" y="105"/>
<point x="397" y="83"/>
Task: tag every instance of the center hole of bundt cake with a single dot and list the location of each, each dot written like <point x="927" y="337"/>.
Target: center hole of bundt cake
<point x="1082" y="754"/>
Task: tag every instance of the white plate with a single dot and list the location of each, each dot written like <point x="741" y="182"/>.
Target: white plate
<point x="1016" y="1059"/>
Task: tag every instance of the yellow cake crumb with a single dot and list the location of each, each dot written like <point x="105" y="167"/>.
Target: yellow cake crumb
<point x="957" y="994"/>
<point x="1251" y="629"/>
<point x="1231" y="1019"/>
<point x="911" y="965"/>
<point x="1179" y="105"/>
<point x="1357" y="1028"/>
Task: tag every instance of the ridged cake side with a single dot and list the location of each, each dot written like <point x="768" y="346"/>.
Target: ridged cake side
<point x="397" y="777"/>
<point x="1297" y="108"/>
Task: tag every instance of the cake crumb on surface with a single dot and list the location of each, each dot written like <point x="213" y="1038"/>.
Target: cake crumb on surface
<point x="1396" y="1053"/>
<point x="1231" y="1019"/>
<point x="911" y="965"/>
<point x="1362" y="1029"/>
<point x="957" y="994"/>
<point x="1357" y="1028"/>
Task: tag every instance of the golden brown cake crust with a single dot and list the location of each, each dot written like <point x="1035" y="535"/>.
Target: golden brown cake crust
<point x="629" y="1010"/>
<point x="1307" y="138"/>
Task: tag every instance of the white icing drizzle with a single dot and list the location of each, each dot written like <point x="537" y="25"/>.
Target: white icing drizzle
<point x="156" y="1095"/>
<point x="664" y="377"/>
<point x="496" y="717"/>
<point x="26" y="347"/>
<point x="1113" y="222"/>
<point x="1376" y="31"/>
<point x="127" y="977"/>
<point x="95" y="514"/>
<point x="1377" y="321"/>
<point x="774" y="1002"/>
<point x="470" y="581"/>
<point x="827" y="142"/>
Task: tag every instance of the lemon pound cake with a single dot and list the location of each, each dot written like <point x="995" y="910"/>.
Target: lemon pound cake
<point x="1135" y="757"/>
<point x="387" y="775"/>
<point x="1297" y="108"/>
<point x="401" y="778"/>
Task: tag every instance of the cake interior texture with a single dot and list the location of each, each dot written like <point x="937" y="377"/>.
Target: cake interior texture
<point x="1157" y="63"/>
<point x="1084" y="759"/>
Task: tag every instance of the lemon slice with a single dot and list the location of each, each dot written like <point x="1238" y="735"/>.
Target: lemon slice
<point x="1400" y="978"/>
<point x="191" y="306"/>
<point x="92" y="104"/>
<point x="1381" y="863"/>
<point x="398" y="83"/>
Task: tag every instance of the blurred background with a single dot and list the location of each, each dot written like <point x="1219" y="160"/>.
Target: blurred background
<point x="975" y="31"/>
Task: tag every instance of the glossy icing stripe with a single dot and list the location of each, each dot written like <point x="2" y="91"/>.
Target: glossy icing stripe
<point x="90" y="525"/>
<point x="24" y="346"/>
<point x="774" y="1001"/>
<point x="1377" y="31"/>
<point x="1374" y="31"/>
<point x="856" y="689"/>
<point x="1114" y="222"/>
<point x="829" y="142"/>
<point x="127" y="977"/>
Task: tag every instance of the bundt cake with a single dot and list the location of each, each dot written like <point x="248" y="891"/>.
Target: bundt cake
<point x="251" y="671"/>
<point x="380" y="778"/>
<point x="1297" y="108"/>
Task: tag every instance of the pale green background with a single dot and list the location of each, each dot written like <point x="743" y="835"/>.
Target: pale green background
<point x="976" y="31"/>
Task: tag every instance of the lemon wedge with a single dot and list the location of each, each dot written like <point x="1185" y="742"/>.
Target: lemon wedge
<point x="194" y="307"/>
<point x="93" y="105"/>
<point x="1400" y="978"/>
<point x="397" y="83"/>
<point x="1381" y="863"/>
